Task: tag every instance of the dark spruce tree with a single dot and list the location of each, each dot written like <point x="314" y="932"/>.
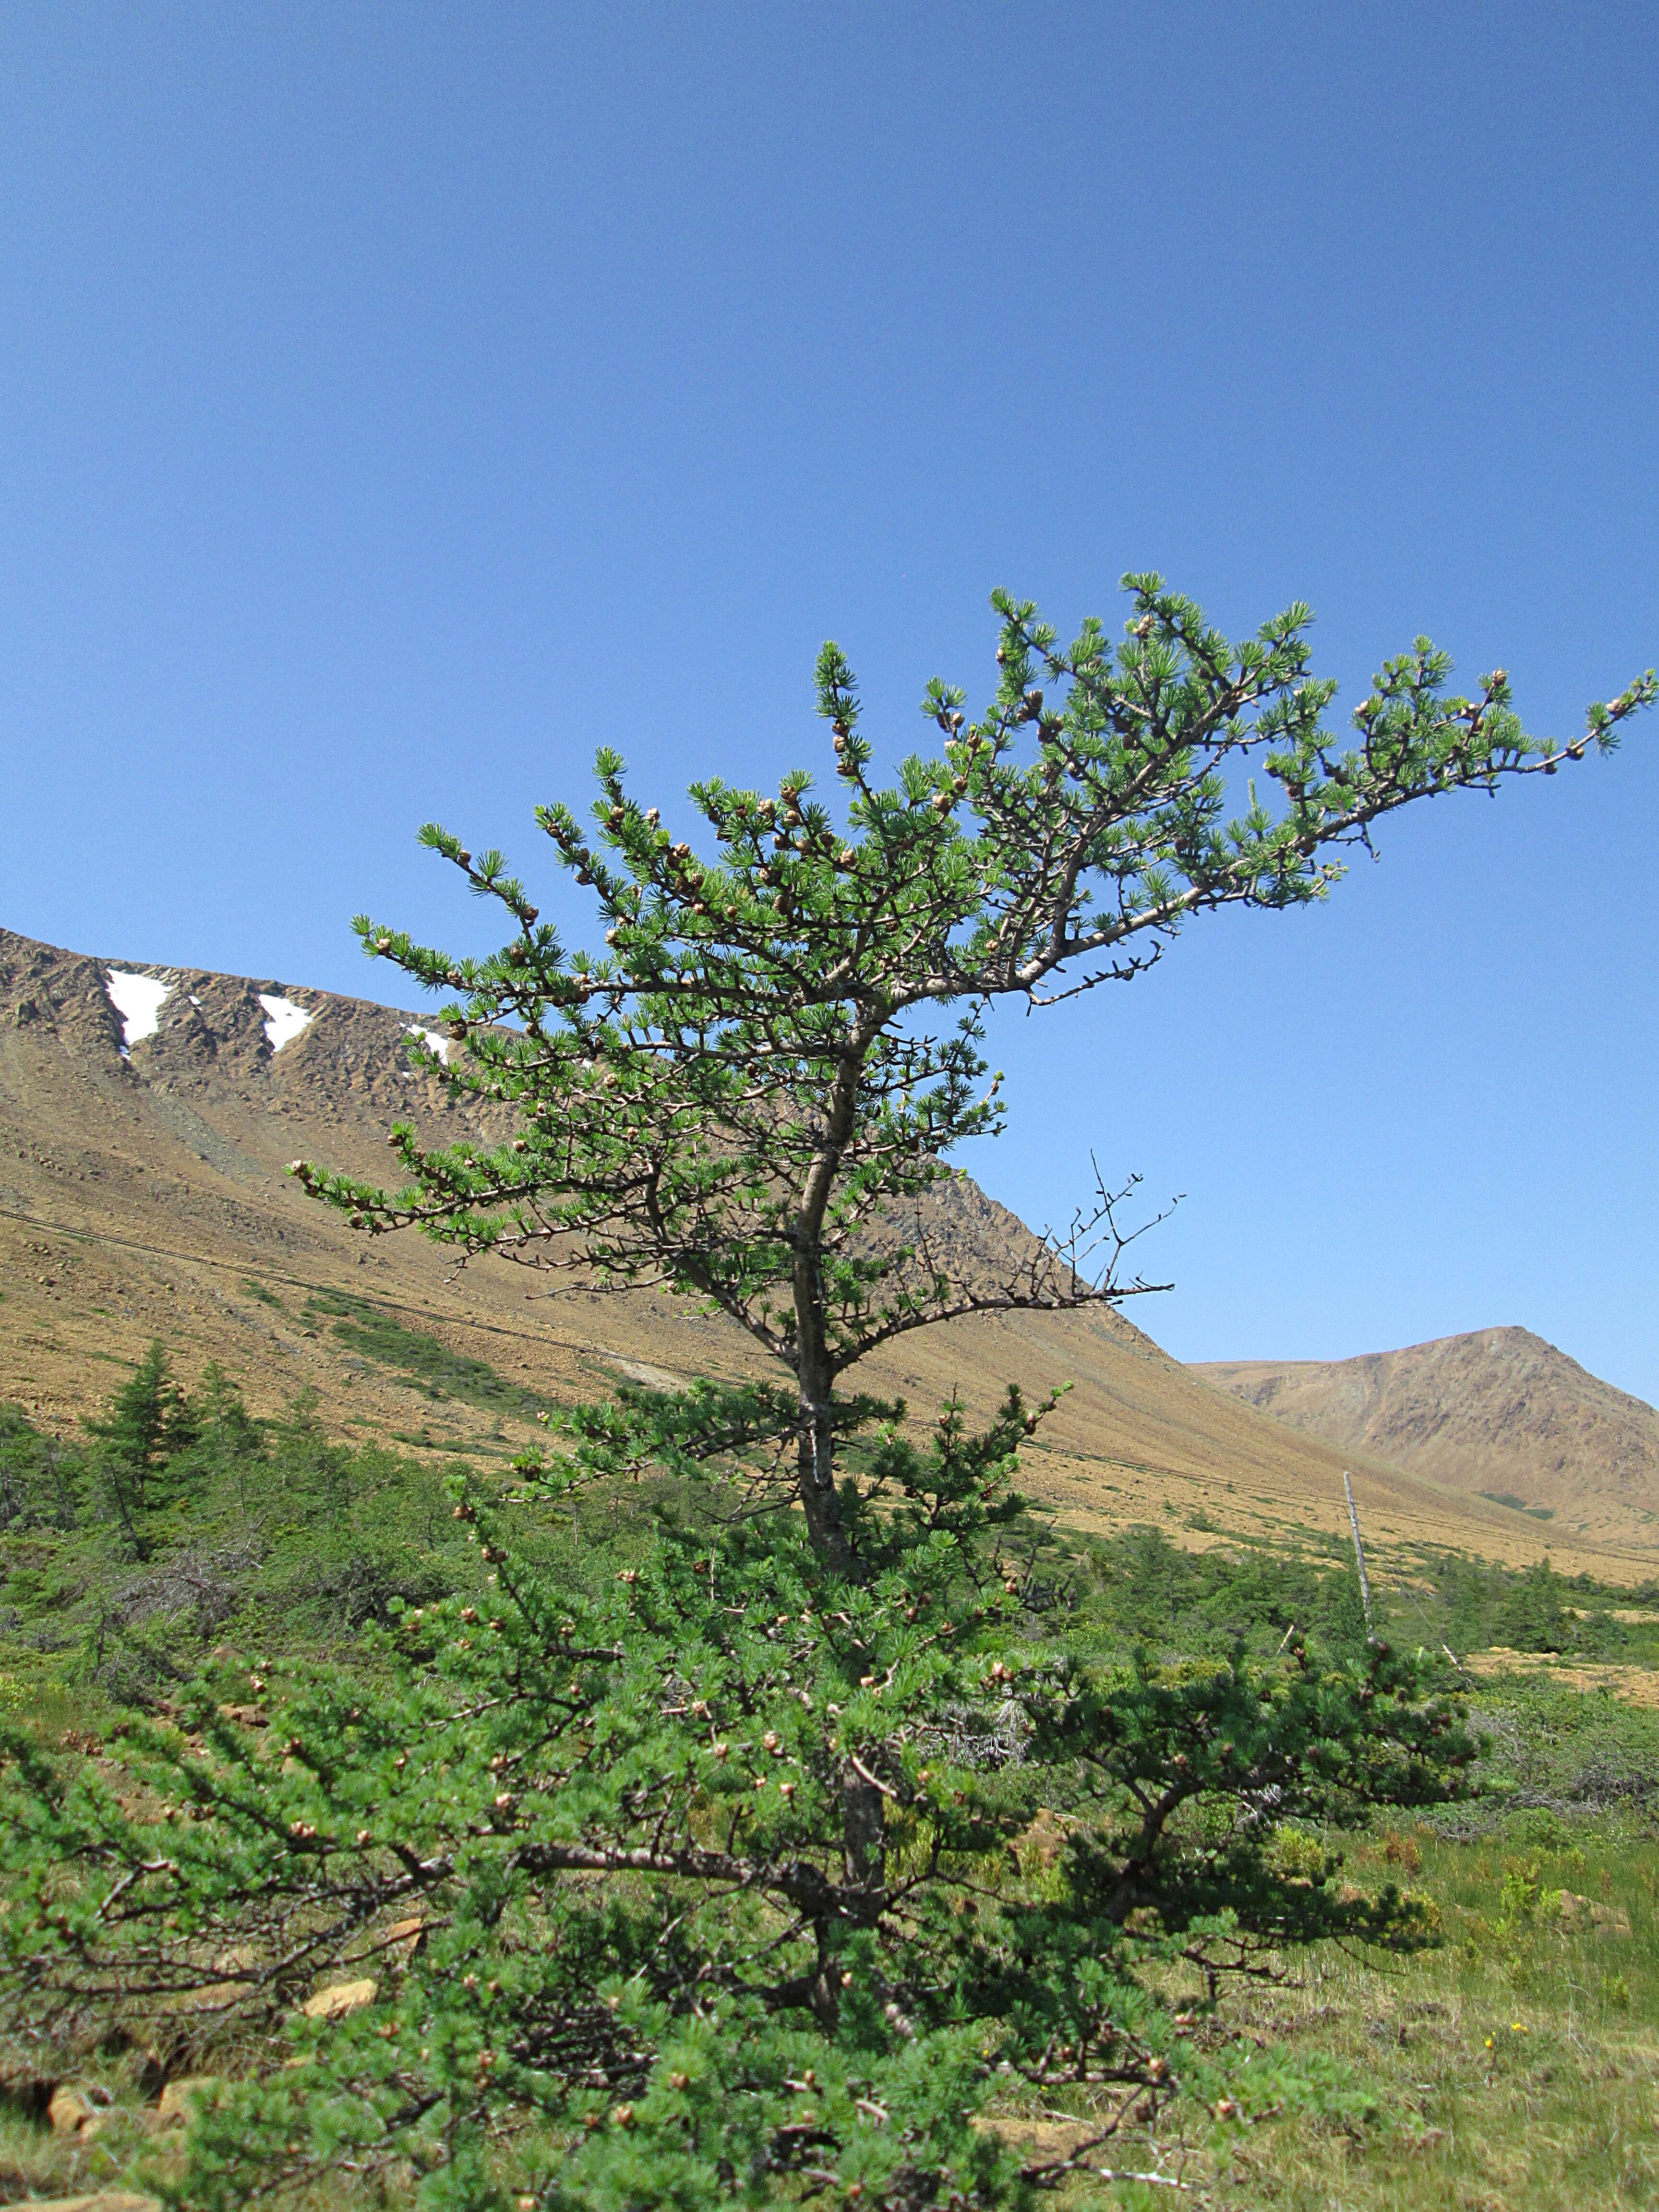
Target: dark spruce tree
<point x="715" y="1882"/>
<point x="149" y="1423"/>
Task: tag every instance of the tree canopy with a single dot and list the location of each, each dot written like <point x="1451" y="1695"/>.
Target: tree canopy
<point x="778" y="1047"/>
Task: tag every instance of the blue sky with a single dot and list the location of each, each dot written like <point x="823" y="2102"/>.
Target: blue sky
<point x="395" y="405"/>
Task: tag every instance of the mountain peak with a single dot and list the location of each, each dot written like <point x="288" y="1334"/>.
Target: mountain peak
<point x="1496" y="1412"/>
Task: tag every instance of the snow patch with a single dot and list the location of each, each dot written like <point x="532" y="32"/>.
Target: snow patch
<point x="283" y="1020"/>
<point x="138" y="1000"/>
<point x="432" y="1042"/>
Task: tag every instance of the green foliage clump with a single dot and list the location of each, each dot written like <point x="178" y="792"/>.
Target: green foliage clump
<point x="41" y="1479"/>
<point x="1139" y="1590"/>
<point x="183" y="1521"/>
<point x="1533" y="1617"/>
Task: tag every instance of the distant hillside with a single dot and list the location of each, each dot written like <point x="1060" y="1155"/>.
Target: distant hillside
<point x="142" y="1195"/>
<point x="1498" y="1412"/>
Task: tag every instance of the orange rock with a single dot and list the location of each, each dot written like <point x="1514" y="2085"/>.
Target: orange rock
<point x="102" y="2200"/>
<point x="70" y="2111"/>
<point x="339" y="1998"/>
<point x="178" y="2097"/>
<point x="1583" y="1912"/>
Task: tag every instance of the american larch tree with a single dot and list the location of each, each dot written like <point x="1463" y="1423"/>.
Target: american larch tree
<point x="779" y="1046"/>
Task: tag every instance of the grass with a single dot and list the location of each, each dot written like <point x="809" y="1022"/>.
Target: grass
<point x="374" y="1334"/>
<point x="1514" y="2068"/>
<point x="35" y="2162"/>
<point x="1519" y="1505"/>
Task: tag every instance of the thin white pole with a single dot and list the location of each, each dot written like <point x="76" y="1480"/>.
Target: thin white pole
<point x="1359" y="1558"/>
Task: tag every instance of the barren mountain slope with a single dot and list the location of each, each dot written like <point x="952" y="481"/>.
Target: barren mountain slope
<point x="144" y="1196"/>
<point x="1497" y="1411"/>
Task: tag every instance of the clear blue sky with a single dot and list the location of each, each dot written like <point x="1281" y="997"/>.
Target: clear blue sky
<point x="396" y="403"/>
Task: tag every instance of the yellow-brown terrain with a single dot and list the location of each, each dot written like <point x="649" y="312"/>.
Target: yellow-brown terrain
<point x="142" y="1195"/>
<point x="1497" y="1413"/>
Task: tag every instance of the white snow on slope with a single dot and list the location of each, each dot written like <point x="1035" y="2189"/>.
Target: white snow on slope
<point x="432" y="1041"/>
<point x="138" y="1000"/>
<point x="283" y="1019"/>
